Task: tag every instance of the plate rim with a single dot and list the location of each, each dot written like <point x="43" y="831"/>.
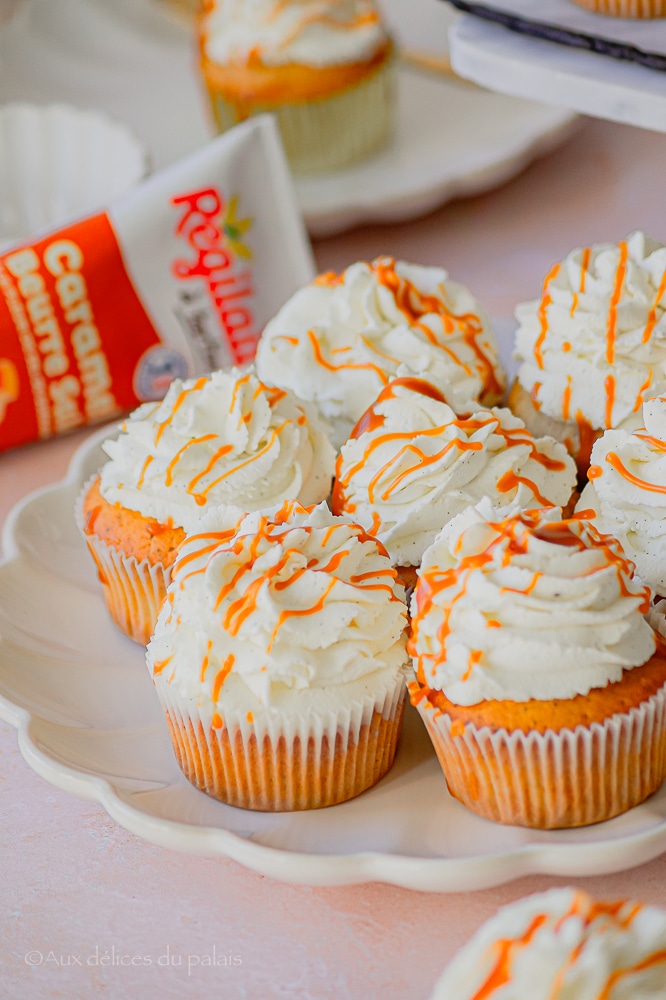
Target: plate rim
<point x="431" y="874"/>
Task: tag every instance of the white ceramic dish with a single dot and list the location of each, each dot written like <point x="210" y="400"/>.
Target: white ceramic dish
<point x="88" y="721"/>
<point x="58" y="163"/>
<point x="127" y="58"/>
<point x="562" y="76"/>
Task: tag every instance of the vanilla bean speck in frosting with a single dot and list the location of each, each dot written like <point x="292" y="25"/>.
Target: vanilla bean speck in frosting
<point x="340" y="340"/>
<point x="526" y="607"/>
<point x="308" y="32"/>
<point x="562" y="945"/>
<point x="593" y="347"/>
<point x="223" y="439"/>
<point x="627" y="492"/>
<point x="289" y="601"/>
<point x="412" y="465"/>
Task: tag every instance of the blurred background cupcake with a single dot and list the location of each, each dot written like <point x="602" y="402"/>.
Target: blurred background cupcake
<point x="323" y="67"/>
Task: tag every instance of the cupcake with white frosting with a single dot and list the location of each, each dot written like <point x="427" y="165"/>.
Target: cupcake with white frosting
<point x="539" y="679"/>
<point x="412" y="464"/>
<point x="626" y="495"/>
<point x="340" y="340"/>
<point x="219" y="441"/>
<point x="562" y="945"/>
<point x="324" y="68"/>
<point x="593" y="347"/>
<point x="279" y="659"/>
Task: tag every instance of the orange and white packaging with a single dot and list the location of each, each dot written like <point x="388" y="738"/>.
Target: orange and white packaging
<point x="175" y="279"/>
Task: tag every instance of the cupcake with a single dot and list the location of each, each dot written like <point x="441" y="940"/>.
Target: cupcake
<point x="593" y="348"/>
<point x="324" y="68"/>
<point x="341" y="339"/>
<point x="626" y="8"/>
<point x="539" y="680"/>
<point x="220" y="441"/>
<point x="279" y="660"/>
<point x="626" y="495"/>
<point x="411" y="465"/>
<point x="562" y="945"/>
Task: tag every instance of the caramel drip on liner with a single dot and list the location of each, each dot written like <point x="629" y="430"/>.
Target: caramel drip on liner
<point x="611" y="331"/>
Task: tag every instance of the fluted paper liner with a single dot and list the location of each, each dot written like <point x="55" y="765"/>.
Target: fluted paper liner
<point x="133" y="589"/>
<point x="555" y="779"/>
<point x="326" y="133"/>
<point x="281" y="761"/>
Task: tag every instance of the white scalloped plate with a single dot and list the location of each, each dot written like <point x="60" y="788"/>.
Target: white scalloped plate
<point x="82" y="701"/>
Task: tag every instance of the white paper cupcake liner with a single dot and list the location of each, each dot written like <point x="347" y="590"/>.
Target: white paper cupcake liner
<point x="327" y="133"/>
<point x="555" y="779"/>
<point x="133" y="589"/>
<point x="285" y="761"/>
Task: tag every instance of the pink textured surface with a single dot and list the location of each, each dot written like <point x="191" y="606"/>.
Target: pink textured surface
<point x="78" y="889"/>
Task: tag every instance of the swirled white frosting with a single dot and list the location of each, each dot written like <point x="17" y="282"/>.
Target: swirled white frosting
<point x="293" y="599"/>
<point x="594" y="345"/>
<point x="529" y="607"/>
<point x="309" y="32"/>
<point x="217" y="440"/>
<point x="627" y="491"/>
<point x="339" y="340"/>
<point x="562" y="945"/>
<point x="418" y="465"/>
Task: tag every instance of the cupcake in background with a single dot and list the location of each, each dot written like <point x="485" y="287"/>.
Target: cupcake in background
<point x="593" y="347"/>
<point x="626" y="8"/>
<point x="540" y="682"/>
<point x="279" y="659"/>
<point x="341" y="339"/>
<point x="411" y="465"/>
<point x="562" y="945"/>
<point x="323" y="67"/>
<point x="224" y="440"/>
<point x="626" y="495"/>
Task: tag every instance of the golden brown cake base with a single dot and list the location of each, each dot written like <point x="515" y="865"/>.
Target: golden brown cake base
<point x="577" y="438"/>
<point x="407" y="575"/>
<point x="553" y="764"/>
<point x="133" y="555"/>
<point x="284" y="777"/>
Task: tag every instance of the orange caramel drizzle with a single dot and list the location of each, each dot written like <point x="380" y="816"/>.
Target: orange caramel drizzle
<point x="616" y="463"/>
<point x="584" y="266"/>
<point x="534" y="394"/>
<point x="414" y="305"/>
<point x="510" y="481"/>
<point x="546" y="300"/>
<point x="609" y="385"/>
<point x="206" y="660"/>
<point x="611" y="329"/>
<point x="144" y="469"/>
<point x="168" y="477"/>
<point x="646" y="385"/>
<point x="371" y="420"/>
<point x="159" y="665"/>
<point x="435" y="586"/>
<point x="657" y="958"/>
<point x="652" y="315"/>
<point x="507" y="948"/>
<point x="247" y="548"/>
<point x="182" y="396"/>
<point x="566" y="399"/>
<point x="329" y="366"/>
<point x="221" y="676"/>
